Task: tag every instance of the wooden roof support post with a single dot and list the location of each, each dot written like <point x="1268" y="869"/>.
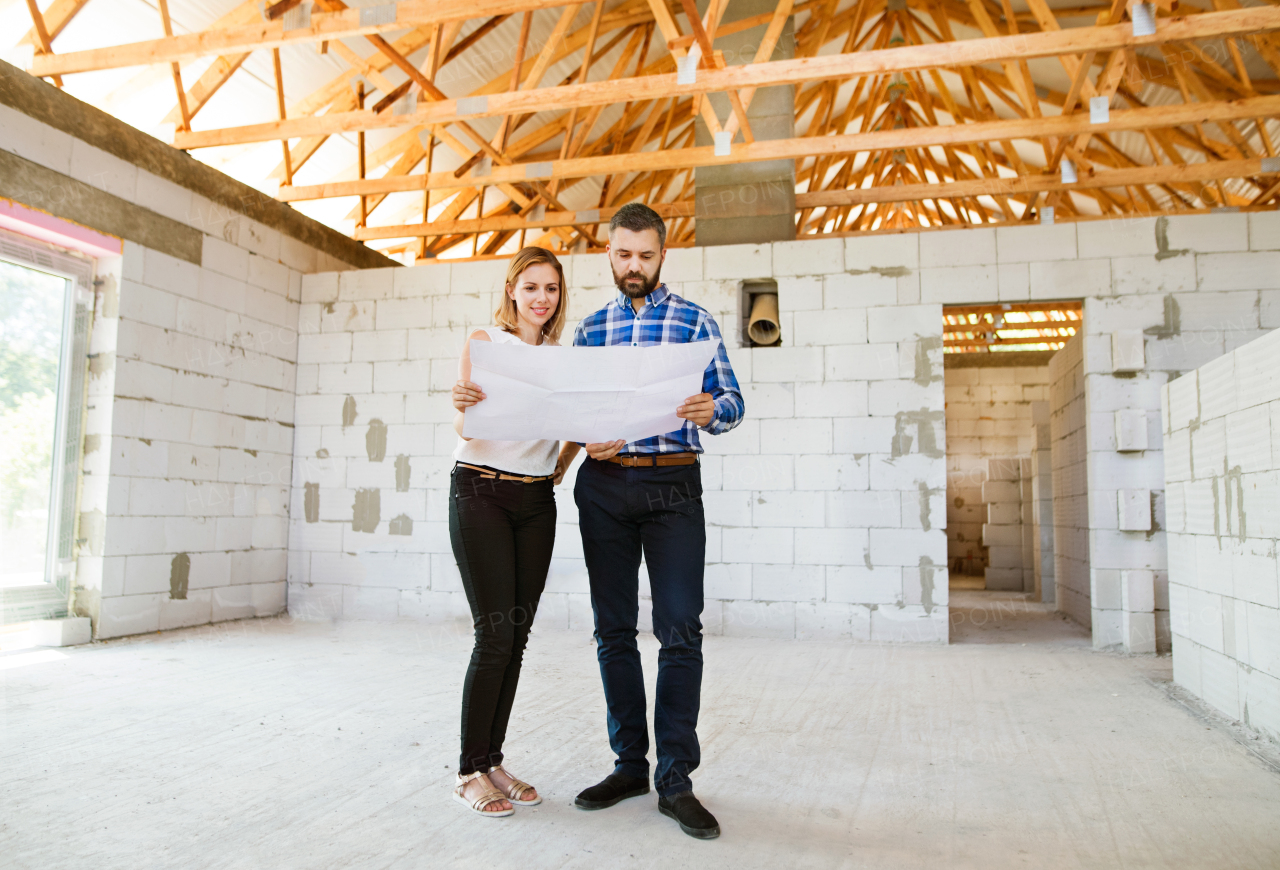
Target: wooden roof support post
<point x="206" y="86"/>
<point x="430" y="147"/>
<point x="582" y="78"/>
<point x="364" y="200"/>
<point x="284" y="143"/>
<point x="549" y="49"/>
<point x="712" y="59"/>
<point x="764" y="52"/>
<point x="177" y="72"/>
<point x="54" y="19"/>
<point x="46" y="44"/>
<point x="671" y="32"/>
<point x="505" y="130"/>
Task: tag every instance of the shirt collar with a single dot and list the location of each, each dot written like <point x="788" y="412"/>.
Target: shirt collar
<point x="654" y="299"/>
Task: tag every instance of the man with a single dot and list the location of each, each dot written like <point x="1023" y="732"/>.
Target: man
<point x="646" y="496"/>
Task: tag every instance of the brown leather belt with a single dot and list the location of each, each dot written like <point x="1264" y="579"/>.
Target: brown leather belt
<point x="648" y="460"/>
<point x="490" y="474"/>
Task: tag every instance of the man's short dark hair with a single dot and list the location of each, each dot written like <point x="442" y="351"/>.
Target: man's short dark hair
<point x="638" y="217"/>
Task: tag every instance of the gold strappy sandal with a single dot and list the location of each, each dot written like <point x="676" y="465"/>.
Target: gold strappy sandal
<point x="518" y="789"/>
<point x="488" y="797"/>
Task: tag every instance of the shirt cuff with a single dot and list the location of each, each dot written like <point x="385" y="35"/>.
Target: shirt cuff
<point x="716" y="425"/>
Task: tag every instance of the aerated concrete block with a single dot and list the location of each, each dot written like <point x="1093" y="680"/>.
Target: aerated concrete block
<point x="1000" y="491"/>
<point x="1127" y="351"/>
<point x="1138" y="632"/>
<point x="1137" y="590"/>
<point x="1004" y="579"/>
<point x="67" y="631"/>
<point x="1134" y="507"/>
<point x="1131" y="430"/>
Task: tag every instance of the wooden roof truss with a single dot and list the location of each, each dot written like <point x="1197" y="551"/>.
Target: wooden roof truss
<point x="909" y="113"/>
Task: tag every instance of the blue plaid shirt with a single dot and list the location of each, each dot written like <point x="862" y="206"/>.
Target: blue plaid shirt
<point x="666" y="318"/>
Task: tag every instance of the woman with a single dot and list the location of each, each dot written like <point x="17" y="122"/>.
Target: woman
<point x="502" y="524"/>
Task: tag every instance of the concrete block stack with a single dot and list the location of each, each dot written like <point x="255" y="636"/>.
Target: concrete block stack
<point x="966" y="515"/>
<point x="1069" y="459"/>
<point x="1043" y="586"/>
<point x="1003" y="531"/>
<point x="1221" y="426"/>
<point x="1027" y="494"/>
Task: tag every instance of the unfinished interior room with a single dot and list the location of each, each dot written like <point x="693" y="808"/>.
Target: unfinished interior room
<point x="880" y="396"/>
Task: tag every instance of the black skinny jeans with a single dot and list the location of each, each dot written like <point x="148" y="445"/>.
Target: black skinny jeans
<point x="502" y="533"/>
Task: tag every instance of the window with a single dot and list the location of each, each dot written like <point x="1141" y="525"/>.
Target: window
<point x="46" y="304"/>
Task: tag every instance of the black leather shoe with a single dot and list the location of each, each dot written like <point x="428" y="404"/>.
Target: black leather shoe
<point x="692" y="816"/>
<point x="613" y="788"/>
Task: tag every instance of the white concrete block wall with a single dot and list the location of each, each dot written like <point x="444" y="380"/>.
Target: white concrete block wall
<point x="849" y="367"/>
<point x="988" y="416"/>
<point x="1223" y="525"/>
<point x="825" y="514"/>
<point x="1002" y="533"/>
<point x="199" y="445"/>
<point x="1028" y="524"/>
<point x="1067" y="432"/>
<point x="1193" y="288"/>
<point x="1043" y="586"/>
<point x="189" y="434"/>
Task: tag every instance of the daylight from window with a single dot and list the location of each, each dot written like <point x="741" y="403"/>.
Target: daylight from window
<point x="31" y="319"/>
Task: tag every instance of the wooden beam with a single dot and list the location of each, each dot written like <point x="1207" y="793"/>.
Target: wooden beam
<point x="779" y="149"/>
<point x="549" y="49"/>
<point x="593" y="31"/>
<point x="362" y="66"/>
<point x="280" y="105"/>
<point x="1010" y="186"/>
<point x="717" y="62"/>
<point x="56" y="17"/>
<point x="512" y="222"/>
<point x="46" y="42"/>
<point x="277" y="10"/>
<point x="206" y="86"/>
<point x="177" y="72"/>
<point x="879" y="194"/>
<point x="822" y="68"/>
<point x="777" y="23"/>
<point x="671" y="32"/>
<point x="325" y="26"/>
<point x="505" y="132"/>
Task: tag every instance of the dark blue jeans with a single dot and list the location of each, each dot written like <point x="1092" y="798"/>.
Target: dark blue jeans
<point x="658" y="511"/>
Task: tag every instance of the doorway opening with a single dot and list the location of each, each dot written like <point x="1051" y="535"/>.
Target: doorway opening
<point x="1000" y="480"/>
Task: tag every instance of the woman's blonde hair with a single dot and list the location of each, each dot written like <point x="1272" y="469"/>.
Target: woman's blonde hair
<point x="507" y="316"/>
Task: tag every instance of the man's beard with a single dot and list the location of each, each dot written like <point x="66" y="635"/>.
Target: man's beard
<point x="646" y="287"/>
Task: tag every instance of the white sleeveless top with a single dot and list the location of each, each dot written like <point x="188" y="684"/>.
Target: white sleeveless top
<point x="534" y="458"/>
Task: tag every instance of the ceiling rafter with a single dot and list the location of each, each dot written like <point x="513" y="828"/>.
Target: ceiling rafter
<point x="826" y="67"/>
<point x="905" y="117"/>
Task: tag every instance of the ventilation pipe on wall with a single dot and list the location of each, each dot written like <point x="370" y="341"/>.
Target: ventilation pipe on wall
<point x="763" y="326"/>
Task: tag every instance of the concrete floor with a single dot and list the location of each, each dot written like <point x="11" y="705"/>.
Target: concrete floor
<point x="270" y="744"/>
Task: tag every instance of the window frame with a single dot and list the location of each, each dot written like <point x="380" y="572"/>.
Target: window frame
<point x="52" y="598"/>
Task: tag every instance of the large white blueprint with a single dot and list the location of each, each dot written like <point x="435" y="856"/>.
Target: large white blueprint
<point x="588" y="394"/>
